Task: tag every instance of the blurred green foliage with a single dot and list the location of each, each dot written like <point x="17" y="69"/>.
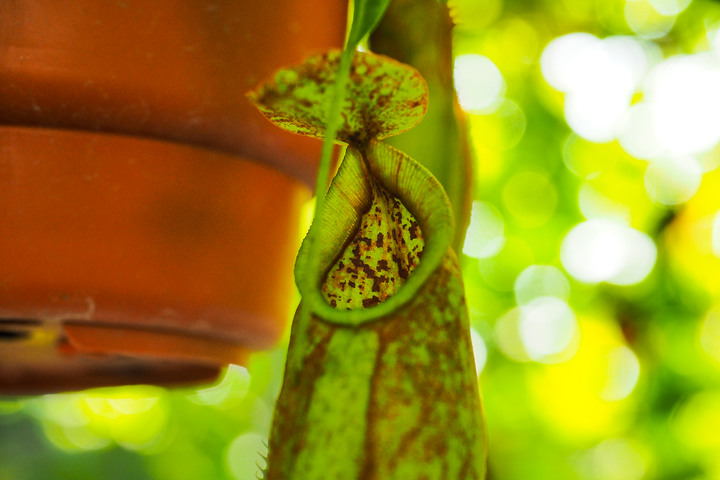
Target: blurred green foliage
<point x="592" y="268"/>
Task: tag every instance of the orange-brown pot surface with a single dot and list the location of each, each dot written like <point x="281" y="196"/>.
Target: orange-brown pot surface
<point x="170" y="69"/>
<point x="148" y="213"/>
<point x="114" y="231"/>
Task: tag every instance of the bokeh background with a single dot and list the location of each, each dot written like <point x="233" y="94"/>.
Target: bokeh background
<point x="592" y="268"/>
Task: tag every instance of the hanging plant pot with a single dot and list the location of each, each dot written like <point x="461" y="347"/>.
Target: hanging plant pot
<point x="148" y="212"/>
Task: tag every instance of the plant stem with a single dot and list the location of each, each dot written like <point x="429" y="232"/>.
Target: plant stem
<point x="334" y="120"/>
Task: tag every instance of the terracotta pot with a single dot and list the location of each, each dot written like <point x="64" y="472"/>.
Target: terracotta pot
<point x="148" y="214"/>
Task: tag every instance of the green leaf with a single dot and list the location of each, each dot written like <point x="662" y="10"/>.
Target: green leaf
<point x="383" y="97"/>
<point x="366" y="16"/>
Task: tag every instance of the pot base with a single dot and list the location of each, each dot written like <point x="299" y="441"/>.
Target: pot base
<point x="36" y="359"/>
<point x="127" y="260"/>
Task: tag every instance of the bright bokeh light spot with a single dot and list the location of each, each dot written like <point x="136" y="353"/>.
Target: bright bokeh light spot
<point x="638" y="135"/>
<point x="100" y="406"/>
<point x="132" y="406"/>
<point x="543" y="330"/>
<point x="599" y="78"/>
<point x="645" y="20"/>
<point x="568" y="395"/>
<point x="619" y="65"/>
<point x="582" y="157"/>
<point x="231" y="389"/>
<point x="716" y="235"/>
<point x="601" y="250"/>
<point x="685" y="101"/>
<point x="507" y="336"/>
<point x="710" y="160"/>
<point x="530" y="197"/>
<point x="593" y="251"/>
<point x="713" y="36"/>
<point x="673" y="180"/>
<point x="73" y="439"/>
<point x="512" y="122"/>
<point x="132" y="417"/>
<point x="114" y="403"/>
<point x="595" y="117"/>
<point x="485" y="235"/>
<point x="245" y="456"/>
<point x="614" y="459"/>
<point x="541" y="281"/>
<point x="623" y="374"/>
<point x="559" y="60"/>
<point x="710" y="334"/>
<point x="670" y="7"/>
<point x="619" y="459"/>
<point x="65" y="424"/>
<point x="62" y="410"/>
<point x="479" y="84"/>
<point x="479" y="350"/>
<point x="547" y="329"/>
<point x="593" y="204"/>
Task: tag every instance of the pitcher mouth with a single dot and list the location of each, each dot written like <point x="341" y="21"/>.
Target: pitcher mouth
<point x="348" y="198"/>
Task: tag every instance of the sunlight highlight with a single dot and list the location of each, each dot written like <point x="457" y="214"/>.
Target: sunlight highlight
<point x="601" y="250"/>
<point x="479" y="350"/>
<point x="541" y="281"/>
<point x="507" y="336"/>
<point x="673" y="180"/>
<point x="623" y="374"/>
<point x="599" y="78"/>
<point x="594" y="204"/>
<point x="713" y="37"/>
<point x="670" y="7"/>
<point x="558" y="60"/>
<point x="74" y="439"/>
<point x="613" y="459"/>
<point x="644" y="19"/>
<point x="638" y="135"/>
<point x="114" y="408"/>
<point x="716" y="235"/>
<point x="231" y="389"/>
<point x="134" y="418"/>
<point x="544" y="330"/>
<point x="479" y="84"/>
<point x="710" y="334"/>
<point x="569" y="396"/>
<point x="547" y="329"/>
<point x="485" y="235"/>
<point x="685" y="101"/>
